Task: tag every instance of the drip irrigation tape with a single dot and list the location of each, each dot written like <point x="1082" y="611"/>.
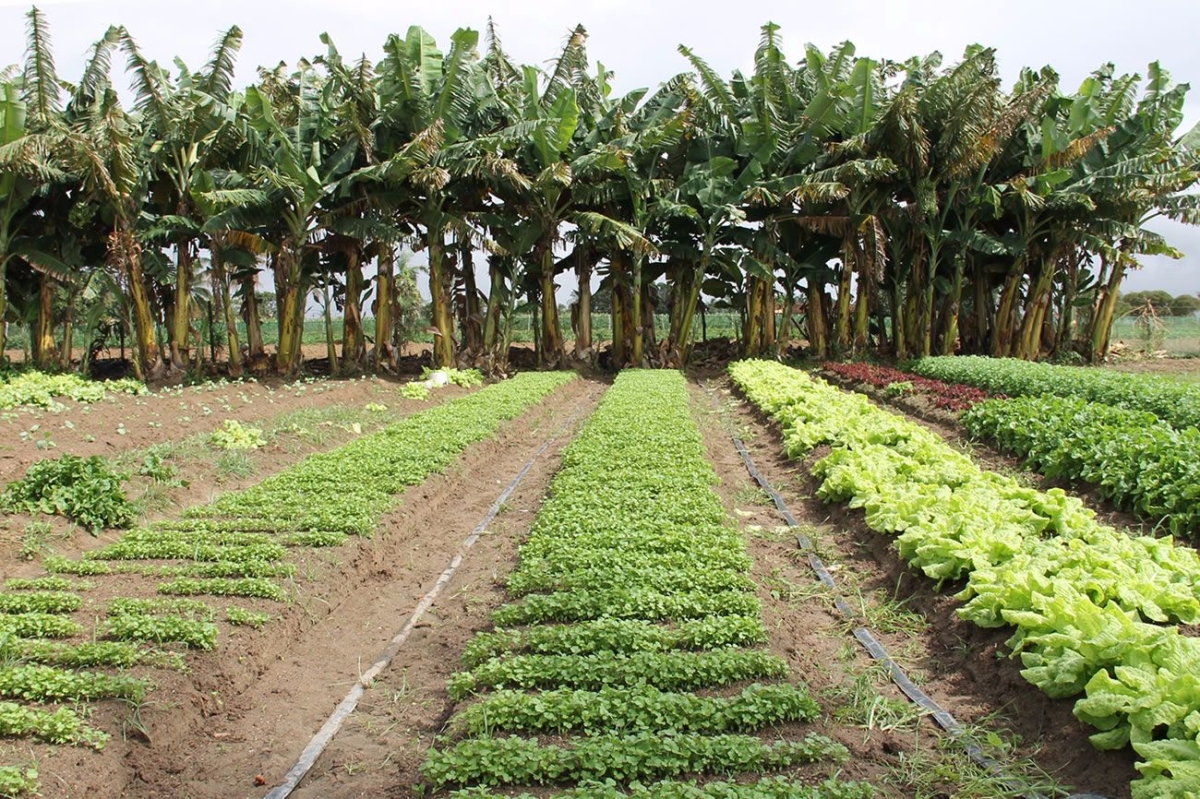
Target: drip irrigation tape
<point x="330" y="728"/>
<point x="942" y="717"/>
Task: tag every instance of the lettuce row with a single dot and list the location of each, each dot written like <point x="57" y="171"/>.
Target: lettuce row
<point x="1093" y="608"/>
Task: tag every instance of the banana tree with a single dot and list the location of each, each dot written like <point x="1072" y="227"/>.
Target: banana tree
<point x="303" y="170"/>
<point x="189" y="127"/>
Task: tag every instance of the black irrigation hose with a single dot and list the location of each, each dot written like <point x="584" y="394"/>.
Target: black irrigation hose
<point x="316" y="746"/>
<point x="875" y="649"/>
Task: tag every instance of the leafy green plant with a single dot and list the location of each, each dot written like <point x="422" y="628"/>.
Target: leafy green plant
<point x="40" y="389"/>
<point x="620" y="758"/>
<point x="191" y="632"/>
<point x="37" y="683"/>
<point x="18" y="781"/>
<point x="85" y="490"/>
<point x="246" y="618"/>
<point x="767" y="788"/>
<point x="33" y="540"/>
<point x="639" y="709"/>
<point x="1176" y="403"/>
<point x="1135" y="460"/>
<point x="232" y="435"/>
<point x="40" y="602"/>
<point x="414" y="391"/>
<point x="61" y="726"/>
<point x="225" y="586"/>
<point x="617" y="636"/>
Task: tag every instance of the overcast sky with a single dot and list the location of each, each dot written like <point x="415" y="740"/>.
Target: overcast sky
<point x="637" y="39"/>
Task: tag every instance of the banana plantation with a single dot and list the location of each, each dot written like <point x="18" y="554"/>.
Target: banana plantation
<point x="840" y="204"/>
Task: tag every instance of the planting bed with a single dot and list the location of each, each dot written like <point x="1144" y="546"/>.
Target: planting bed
<point x="1095" y="611"/>
<point x="635" y="620"/>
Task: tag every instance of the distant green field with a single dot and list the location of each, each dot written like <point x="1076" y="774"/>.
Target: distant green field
<point x="1178" y="336"/>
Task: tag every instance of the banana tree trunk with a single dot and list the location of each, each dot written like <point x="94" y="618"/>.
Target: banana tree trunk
<point x="1030" y="340"/>
<point x="66" y="352"/>
<point x="290" y="301"/>
<point x="818" y="332"/>
<point x="221" y="281"/>
<point x="982" y="311"/>
<point x="1005" y="325"/>
<point x="679" y="340"/>
<point x="498" y="294"/>
<point x="1106" y="312"/>
<point x="619" y="337"/>
<point x="551" y="352"/>
<point x="862" y="304"/>
<point x="472" y="323"/>
<point x="646" y="325"/>
<point x="948" y="335"/>
<point x="252" y="317"/>
<point x="327" y="315"/>
<point x="384" y="291"/>
<point x="353" y="343"/>
<point x="125" y="251"/>
<point x="583" y="336"/>
<point x="635" y="313"/>
<point x="842" y="308"/>
<point x="43" y="329"/>
<point x="178" y="330"/>
<point x="439" y="292"/>
<point x="751" y="338"/>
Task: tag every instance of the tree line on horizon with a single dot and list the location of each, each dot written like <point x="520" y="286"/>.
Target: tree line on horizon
<point x="840" y="203"/>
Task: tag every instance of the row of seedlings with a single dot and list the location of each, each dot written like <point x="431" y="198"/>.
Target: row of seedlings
<point x="236" y="547"/>
<point x="630" y="659"/>
<point x="1175" y="402"/>
<point x="1096" y="611"/>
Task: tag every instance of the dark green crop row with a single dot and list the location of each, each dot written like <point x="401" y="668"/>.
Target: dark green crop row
<point x="619" y="758"/>
<point x="633" y="592"/>
<point x="626" y="603"/>
<point x="1135" y="460"/>
<point x="348" y="489"/>
<point x="639" y="709"/>
<point x="1081" y="595"/>
<point x="659" y="572"/>
<point x="617" y="636"/>
<point x="769" y="788"/>
<point x="40" y="602"/>
<point x="1176" y="403"/>
<point x="670" y="671"/>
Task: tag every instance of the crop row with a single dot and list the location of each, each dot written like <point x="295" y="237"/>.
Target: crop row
<point x="1140" y="463"/>
<point x="349" y="488"/>
<point x="41" y="389"/>
<point x="235" y="547"/>
<point x="1176" y="403"/>
<point x="632" y="592"/>
<point x="1081" y="595"/>
<point x="948" y="396"/>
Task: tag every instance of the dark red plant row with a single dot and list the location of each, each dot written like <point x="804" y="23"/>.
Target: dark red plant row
<point x="950" y="396"/>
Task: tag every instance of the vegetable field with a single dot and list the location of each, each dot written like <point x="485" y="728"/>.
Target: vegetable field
<point x="557" y="585"/>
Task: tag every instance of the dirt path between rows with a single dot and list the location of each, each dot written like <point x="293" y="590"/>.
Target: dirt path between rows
<point x="259" y="704"/>
<point x="961" y="666"/>
<point x="96" y="429"/>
